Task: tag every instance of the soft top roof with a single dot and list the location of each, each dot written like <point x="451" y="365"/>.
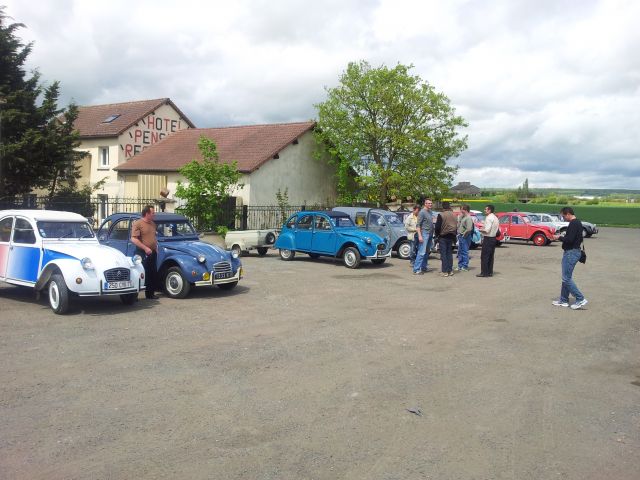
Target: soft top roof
<point x="329" y="213"/>
<point x="45" y="215"/>
<point x="159" y="217"/>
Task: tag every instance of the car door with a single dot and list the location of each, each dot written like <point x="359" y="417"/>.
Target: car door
<point x="518" y="227"/>
<point x="304" y="232"/>
<point x="324" y="237"/>
<point x="118" y="237"/>
<point x="377" y="224"/>
<point x="6" y="224"/>
<point x="23" y="264"/>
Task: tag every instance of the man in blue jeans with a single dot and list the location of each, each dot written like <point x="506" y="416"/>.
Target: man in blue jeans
<point x="571" y="246"/>
<point x="425" y="234"/>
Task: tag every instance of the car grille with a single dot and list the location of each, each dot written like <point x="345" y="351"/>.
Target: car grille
<point x="117" y="274"/>
<point x="381" y="246"/>
<point x="222" y="267"/>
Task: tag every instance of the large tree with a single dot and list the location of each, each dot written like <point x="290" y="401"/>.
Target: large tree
<point x="37" y="140"/>
<point x="393" y="130"/>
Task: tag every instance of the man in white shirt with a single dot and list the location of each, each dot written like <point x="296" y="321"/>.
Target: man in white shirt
<point x="488" y="231"/>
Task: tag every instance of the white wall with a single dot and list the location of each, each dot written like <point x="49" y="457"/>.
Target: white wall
<point x="309" y="181"/>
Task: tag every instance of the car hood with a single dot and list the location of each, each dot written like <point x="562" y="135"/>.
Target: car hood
<point x="103" y="257"/>
<point x="357" y="233"/>
<point x="195" y="248"/>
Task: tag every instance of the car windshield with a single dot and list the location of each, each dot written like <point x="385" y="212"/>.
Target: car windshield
<point x="177" y="229"/>
<point x="65" y="230"/>
<point x="393" y="220"/>
<point x="479" y="217"/>
<point x="535" y="218"/>
<point x="342" y="222"/>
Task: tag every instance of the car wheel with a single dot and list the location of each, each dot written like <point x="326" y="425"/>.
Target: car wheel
<point x="270" y="239"/>
<point x="539" y="240"/>
<point x="58" y="294"/>
<point x="175" y="284"/>
<point x="378" y="261"/>
<point x="262" y="251"/>
<point x="287" y="254"/>
<point x="404" y="250"/>
<point x="236" y="248"/>
<point x="589" y="235"/>
<point x="129" y="298"/>
<point x="351" y="257"/>
<point x="228" y="286"/>
<point x="313" y="255"/>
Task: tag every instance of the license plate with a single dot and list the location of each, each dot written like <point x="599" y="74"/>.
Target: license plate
<point x="117" y="285"/>
<point x="222" y="276"/>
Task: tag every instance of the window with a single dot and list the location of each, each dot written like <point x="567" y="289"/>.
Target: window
<point x="504" y="219"/>
<point x="322" y="223"/>
<point x="23" y="232"/>
<point x="111" y="118"/>
<point x="291" y="222"/>
<point x="376" y="220"/>
<point x="5" y="229"/>
<point x="305" y="222"/>
<point x="360" y="216"/>
<point x="515" y="220"/>
<point x="103" y="153"/>
<point x="120" y="230"/>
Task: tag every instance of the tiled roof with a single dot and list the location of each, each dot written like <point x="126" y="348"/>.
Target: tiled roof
<point x="91" y="119"/>
<point x="250" y="146"/>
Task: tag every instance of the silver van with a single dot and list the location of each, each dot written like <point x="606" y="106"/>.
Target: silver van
<point x="384" y="223"/>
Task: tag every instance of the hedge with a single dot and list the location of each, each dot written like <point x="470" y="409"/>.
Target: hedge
<point x="601" y="215"/>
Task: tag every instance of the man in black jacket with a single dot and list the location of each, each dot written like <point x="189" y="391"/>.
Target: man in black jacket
<point x="571" y="246"/>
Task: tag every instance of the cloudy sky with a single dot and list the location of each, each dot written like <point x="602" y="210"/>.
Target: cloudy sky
<point x="550" y="88"/>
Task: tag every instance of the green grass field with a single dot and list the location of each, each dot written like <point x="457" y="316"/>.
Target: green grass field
<point x="599" y="214"/>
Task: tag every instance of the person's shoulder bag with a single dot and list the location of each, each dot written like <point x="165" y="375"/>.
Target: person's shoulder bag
<point x="583" y="255"/>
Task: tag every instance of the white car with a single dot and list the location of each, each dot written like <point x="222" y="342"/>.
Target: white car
<point x="57" y="252"/>
<point x="244" y="240"/>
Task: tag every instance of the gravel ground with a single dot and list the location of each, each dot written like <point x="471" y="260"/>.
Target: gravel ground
<point x="309" y="370"/>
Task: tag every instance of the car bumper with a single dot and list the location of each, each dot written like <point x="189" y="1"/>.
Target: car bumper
<point x="380" y="254"/>
<point x="103" y="290"/>
<point x="219" y="281"/>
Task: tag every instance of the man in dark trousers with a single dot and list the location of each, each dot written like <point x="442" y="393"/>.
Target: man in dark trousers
<point x="571" y="245"/>
<point x="489" y="231"/>
<point x="143" y="236"/>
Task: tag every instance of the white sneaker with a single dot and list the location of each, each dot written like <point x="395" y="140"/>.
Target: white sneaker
<point x="580" y="304"/>
<point x="560" y="303"/>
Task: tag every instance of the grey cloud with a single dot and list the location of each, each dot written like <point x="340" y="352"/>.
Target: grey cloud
<point x="545" y="86"/>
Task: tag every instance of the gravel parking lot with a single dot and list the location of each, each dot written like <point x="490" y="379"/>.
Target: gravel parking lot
<point x="309" y="370"/>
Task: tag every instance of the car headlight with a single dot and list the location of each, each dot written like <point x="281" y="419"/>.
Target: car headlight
<point x="201" y="258"/>
<point x="234" y="254"/>
<point x="87" y="264"/>
<point x="137" y="259"/>
<point x="368" y="240"/>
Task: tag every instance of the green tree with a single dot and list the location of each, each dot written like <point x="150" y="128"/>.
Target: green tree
<point x="393" y="130"/>
<point x="210" y="183"/>
<point x="37" y="142"/>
